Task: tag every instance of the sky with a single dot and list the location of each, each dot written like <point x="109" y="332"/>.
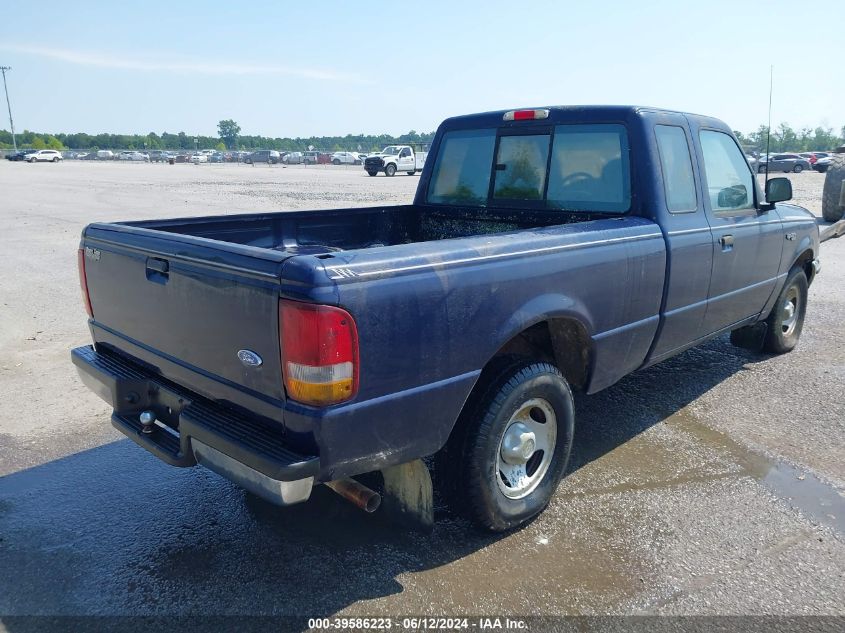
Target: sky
<point x="285" y="69"/>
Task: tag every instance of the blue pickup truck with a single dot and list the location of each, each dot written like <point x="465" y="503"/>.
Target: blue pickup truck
<point x="547" y="250"/>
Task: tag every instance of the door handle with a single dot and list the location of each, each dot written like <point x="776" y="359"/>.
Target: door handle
<point x="727" y="242"/>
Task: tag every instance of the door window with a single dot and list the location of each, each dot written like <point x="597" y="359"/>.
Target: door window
<point x="729" y="181"/>
<point x="678" y="178"/>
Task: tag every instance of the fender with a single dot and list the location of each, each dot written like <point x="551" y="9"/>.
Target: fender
<point x="538" y="310"/>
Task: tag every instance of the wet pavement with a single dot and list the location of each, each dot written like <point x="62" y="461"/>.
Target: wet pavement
<point x="709" y="484"/>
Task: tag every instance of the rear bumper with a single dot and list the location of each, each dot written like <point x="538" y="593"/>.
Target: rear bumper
<point x="191" y="429"/>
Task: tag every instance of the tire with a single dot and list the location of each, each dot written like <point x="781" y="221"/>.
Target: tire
<point x="336" y="162"/>
<point x="248" y="161"/>
<point x="481" y="480"/>
<point x="411" y="173"/>
<point x="761" y="169"/>
<point x="834" y="177"/>
<point x="371" y="173"/>
<point x="798" y="168"/>
<point x="390" y="170"/>
<point x="786" y="320"/>
<point x="55" y="160"/>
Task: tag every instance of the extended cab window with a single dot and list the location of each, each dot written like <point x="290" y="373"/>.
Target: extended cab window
<point x="678" y="178"/>
<point x="588" y="169"/>
<point x="729" y="181"/>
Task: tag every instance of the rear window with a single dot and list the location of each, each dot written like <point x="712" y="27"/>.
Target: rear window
<point x="572" y="167"/>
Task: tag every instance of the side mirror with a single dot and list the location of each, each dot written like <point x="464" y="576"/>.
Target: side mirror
<point x="778" y="190"/>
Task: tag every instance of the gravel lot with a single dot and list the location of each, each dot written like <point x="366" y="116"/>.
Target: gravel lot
<point x="710" y="484"/>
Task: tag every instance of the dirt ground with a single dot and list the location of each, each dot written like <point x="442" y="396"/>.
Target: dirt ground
<point x="709" y="484"/>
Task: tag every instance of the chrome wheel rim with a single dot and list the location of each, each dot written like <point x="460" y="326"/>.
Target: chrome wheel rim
<point x="526" y="448"/>
<point x="789" y="310"/>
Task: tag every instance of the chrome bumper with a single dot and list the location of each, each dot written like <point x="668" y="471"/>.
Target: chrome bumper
<point x="281" y="493"/>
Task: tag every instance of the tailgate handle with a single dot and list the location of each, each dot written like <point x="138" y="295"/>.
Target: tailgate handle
<point x="158" y="270"/>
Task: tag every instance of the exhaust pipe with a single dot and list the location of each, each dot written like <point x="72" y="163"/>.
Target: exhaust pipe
<point x="365" y="498"/>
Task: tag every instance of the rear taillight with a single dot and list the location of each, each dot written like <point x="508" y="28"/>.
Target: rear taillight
<point x="319" y="347"/>
<point x="83" y="283"/>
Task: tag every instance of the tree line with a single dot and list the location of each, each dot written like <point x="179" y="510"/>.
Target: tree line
<point x="784" y="138"/>
<point x="183" y="141"/>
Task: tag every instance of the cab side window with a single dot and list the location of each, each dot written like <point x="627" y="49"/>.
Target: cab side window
<point x="678" y="178"/>
<point x="730" y="184"/>
<point x="405" y="153"/>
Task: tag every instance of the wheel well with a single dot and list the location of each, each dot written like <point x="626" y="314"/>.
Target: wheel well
<point x="805" y="261"/>
<point x="563" y="342"/>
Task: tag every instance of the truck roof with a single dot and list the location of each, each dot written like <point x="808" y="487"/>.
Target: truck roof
<point x="560" y="113"/>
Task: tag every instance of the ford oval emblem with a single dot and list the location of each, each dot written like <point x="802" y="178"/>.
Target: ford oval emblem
<point x="249" y="358"/>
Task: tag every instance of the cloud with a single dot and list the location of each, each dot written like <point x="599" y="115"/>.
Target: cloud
<point x="103" y="60"/>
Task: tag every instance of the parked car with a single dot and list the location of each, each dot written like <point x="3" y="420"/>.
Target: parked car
<point x="199" y="157"/>
<point x="216" y="157"/>
<point x="346" y="158"/>
<point x="133" y="156"/>
<point x="293" y="158"/>
<point x="269" y="156"/>
<point x="546" y="251"/>
<point x="158" y="156"/>
<point x="324" y="158"/>
<point x="395" y="158"/>
<point x="310" y="158"/>
<point x="44" y="156"/>
<point x="823" y="164"/>
<point x="20" y="155"/>
<point x="105" y="154"/>
<point x="783" y="162"/>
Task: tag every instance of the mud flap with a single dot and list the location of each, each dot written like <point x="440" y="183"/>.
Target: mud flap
<point x="750" y="337"/>
<point x="409" y="496"/>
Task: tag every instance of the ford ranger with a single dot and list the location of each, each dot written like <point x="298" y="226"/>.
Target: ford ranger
<point x="547" y="250"/>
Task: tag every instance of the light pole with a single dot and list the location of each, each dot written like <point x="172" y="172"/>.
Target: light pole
<point x="8" y="105"/>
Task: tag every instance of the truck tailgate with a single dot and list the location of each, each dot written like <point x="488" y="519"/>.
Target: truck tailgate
<point x="204" y="313"/>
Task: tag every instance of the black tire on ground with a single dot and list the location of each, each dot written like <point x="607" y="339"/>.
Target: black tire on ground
<point x="336" y="161"/>
<point x="834" y="177"/>
<point x="410" y="173"/>
<point x="248" y="161"/>
<point x="798" y="168"/>
<point x="371" y="173"/>
<point x="471" y="463"/>
<point x="785" y="322"/>
<point x="55" y="159"/>
<point x="761" y="169"/>
<point x="821" y="169"/>
<point x="390" y="170"/>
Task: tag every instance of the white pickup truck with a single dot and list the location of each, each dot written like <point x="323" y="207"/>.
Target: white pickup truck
<point x="395" y="158"/>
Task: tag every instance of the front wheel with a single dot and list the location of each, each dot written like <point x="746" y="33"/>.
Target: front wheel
<point x="371" y="173"/>
<point x="762" y="169"/>
<point x="55" y="160"/>
<point x="518" y="436"/>
<point x="336" y="162"/>
<point x="411" y="173"/>
<point x="390" y="170"/>
<point x="786" y="320"/>
<point x="798" y="169"/>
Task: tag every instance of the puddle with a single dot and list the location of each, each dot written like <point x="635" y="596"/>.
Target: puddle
<point x="804" y="491"/>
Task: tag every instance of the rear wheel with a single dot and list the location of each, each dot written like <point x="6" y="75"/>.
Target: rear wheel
<point x="411" y="173"/>
<point x="512" y="446"/>
<point x="786" y="320"/>
<point x="390" y="170"/>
